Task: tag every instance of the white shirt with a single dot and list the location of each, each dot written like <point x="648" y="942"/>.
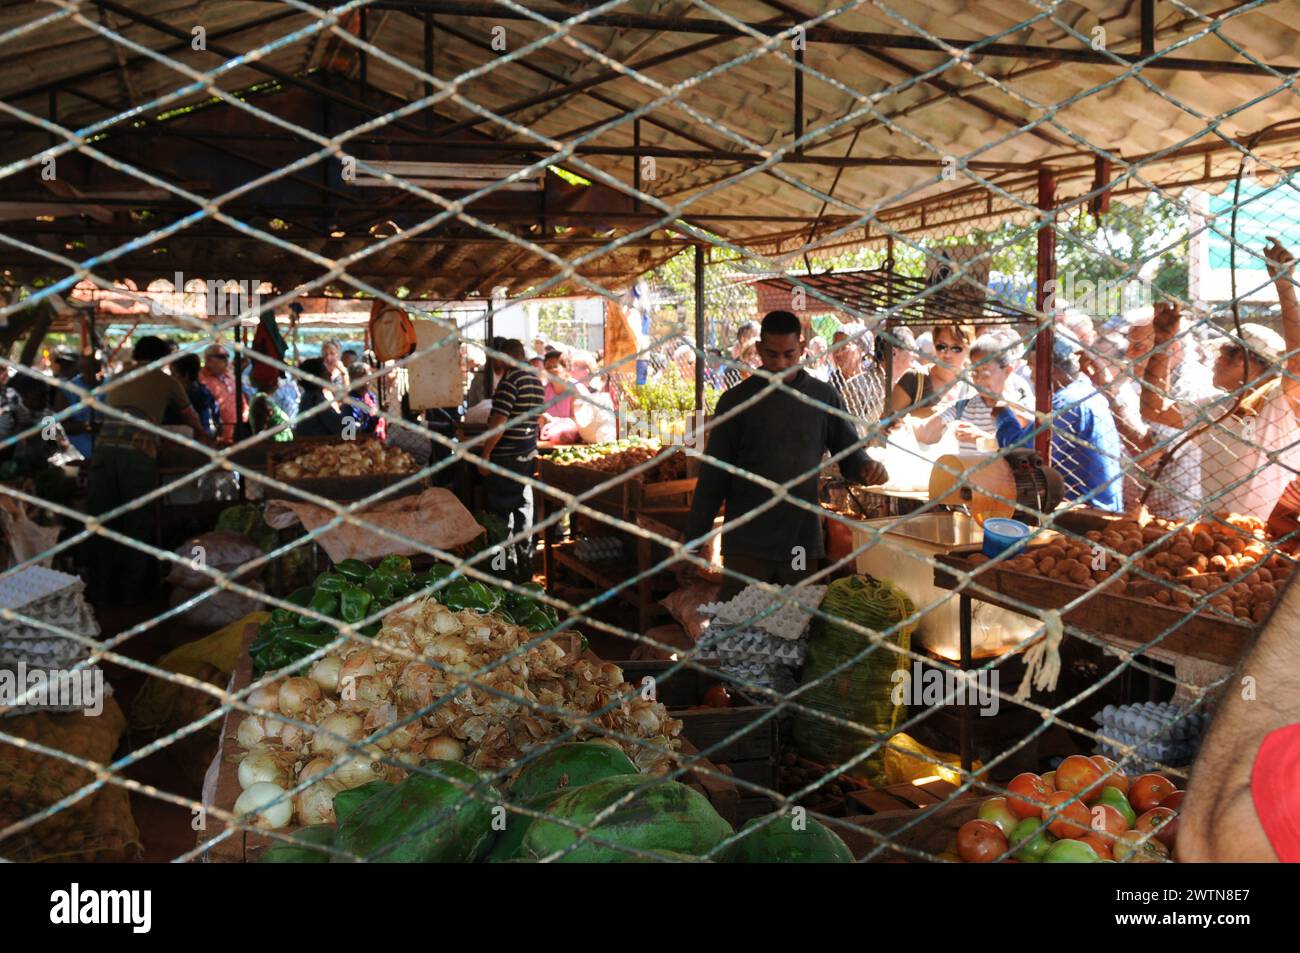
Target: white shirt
<point x="978" y="414"/>
<point x="1236" y="472"/>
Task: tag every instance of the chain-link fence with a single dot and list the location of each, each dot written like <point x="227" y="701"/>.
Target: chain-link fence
<point x="954" y="558"/>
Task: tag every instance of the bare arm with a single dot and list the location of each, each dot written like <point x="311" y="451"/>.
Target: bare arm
<point x="1219" y="822"/>
<point x="1280" y="265"/>
<point x="495" y="420"/>
<point x="1155" y="404"/>
<point x="931" y="429"/>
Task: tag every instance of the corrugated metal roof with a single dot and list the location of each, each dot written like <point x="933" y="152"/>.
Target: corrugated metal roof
<point x="752" y="101"/>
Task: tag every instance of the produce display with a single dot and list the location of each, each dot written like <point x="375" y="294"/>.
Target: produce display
<point x="513" y="705"/>
<point x="348" y="458"/>
<point x="1086" y="811"/>
<point x="584" y="802"/>
<point x="353" y="591"/>
<point x="1226" y="561"/>
<point x="621" y="456"/>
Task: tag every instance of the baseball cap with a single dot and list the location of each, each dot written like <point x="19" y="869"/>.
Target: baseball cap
<point x="1264" y="343"/>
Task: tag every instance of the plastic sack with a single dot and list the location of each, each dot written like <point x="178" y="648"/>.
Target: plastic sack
<point x="215" y="611"/>
<point x="220" y="550"/>
<point x="23" y="537"/>
<point x="164" y="705"/>
<point x="916" y="761"/>
<point x="684" y="606"/>
<point x="594" y="415"/>
<point x="843" y="680"/>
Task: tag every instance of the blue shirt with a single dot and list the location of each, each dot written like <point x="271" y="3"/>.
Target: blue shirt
<point x="1085" y="444"/>
<point x="84" y="442"/>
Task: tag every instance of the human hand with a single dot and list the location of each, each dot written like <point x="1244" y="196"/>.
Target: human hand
<point x="1278" y="259"/>
<point x="1168" y="319"/>
<point x="969" y="433"/>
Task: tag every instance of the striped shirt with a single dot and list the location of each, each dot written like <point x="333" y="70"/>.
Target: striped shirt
<point x="519" y="394"/>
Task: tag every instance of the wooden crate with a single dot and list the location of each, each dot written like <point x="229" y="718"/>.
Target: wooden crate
<point x="246" y="846"/>
<point x="1105" y="614"/>
<point x="752" y="757"/>
<point x="619" y="496"/>
<point x="341" y="489"/>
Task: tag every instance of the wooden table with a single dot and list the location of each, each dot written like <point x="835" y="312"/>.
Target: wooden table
<point x="1122" y="621"/>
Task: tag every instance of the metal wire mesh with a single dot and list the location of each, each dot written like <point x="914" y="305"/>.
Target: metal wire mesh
<point x="1055" y="244"/>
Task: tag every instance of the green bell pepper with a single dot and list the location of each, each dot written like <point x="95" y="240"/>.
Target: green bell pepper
<point x="468" y="594"/>
<point x="331" y="582"/>
<point x="380" y="586"/>
<point x="301" y="597"/>
<point x="354" y="569"/>
<point x="326" y="603"/>
<point x="353" y="603"/>
<point x="394" y="565"/>
<point x="301" y="642"/>
<point x="280" y="619"/>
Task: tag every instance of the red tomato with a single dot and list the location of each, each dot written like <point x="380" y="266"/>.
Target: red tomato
<point x="1067" y="820"/>
<point x="1106" y="818"/>
<point x="1079" y="775"/>
<point x="995" y="810"/>
<point x="980" y="842"/>
<point x="1026" y="795"/>
<point x="1100" y="843"/>
<point x="1050" y="780"/>
<point x="1129" y="848"/>
<point x="717" y="696"/>
<point x="1148" y="790"/>
<point x="1161" y="821"/>
<point x="1112" y="776"/>
<point x="1175" y="801"/>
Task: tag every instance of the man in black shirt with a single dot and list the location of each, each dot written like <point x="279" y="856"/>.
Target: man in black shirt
<point x="518" y="398"/>
<point x="781" y="437"/>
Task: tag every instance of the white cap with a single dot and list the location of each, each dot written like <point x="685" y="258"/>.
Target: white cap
<point x="1264" y="342"/>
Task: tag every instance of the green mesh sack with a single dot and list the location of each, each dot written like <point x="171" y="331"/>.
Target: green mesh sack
<point x="861" y="691"/>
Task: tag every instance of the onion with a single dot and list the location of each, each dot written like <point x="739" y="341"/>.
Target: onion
<point x="313" y="767"/>
<point x="265" y="698"/>
<point x="254" y="801"/>
<point x="326" y="672"/>
<point x="292" y="737"/>
<point x="253" y="731"/>
<point x="355" y="770"/>
<point x="348" y="726"/>
<point x="399" y="739"/>
<point x="369" y="692"/>
<point x="316" y="804"/>
<point x="444" y="748"/>
<point x="449" y="648"/>
<point x="357" y="665"/>
<point x="295" y="693"/>
<point x="415" y="685"/>
<point x="444" y="623"/>
<point x="261" y="764"/>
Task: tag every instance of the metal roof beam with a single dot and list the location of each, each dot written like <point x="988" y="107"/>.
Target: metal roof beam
<point x="856" y="38"/>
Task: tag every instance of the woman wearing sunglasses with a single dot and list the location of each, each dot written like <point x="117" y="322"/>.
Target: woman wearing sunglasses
<point x="922" y="392"/>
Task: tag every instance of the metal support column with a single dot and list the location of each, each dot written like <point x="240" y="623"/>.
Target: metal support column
<point x="1046" y="277"/>
<point x="699" y="329"/>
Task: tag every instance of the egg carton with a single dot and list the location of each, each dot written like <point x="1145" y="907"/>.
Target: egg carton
<point x="779" y="678"/>
<point x="1159" y="732"/>
<point x="788" y="621"/>
<point x="596" y="549"/>
<point x="754" y="644"/>
<point x="54" y="598"/>
<point x="54" y="652"/>
<point x="11" y="675"/>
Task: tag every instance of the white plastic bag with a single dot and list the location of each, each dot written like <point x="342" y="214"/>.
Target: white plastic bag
<point x="594" y="415"/>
